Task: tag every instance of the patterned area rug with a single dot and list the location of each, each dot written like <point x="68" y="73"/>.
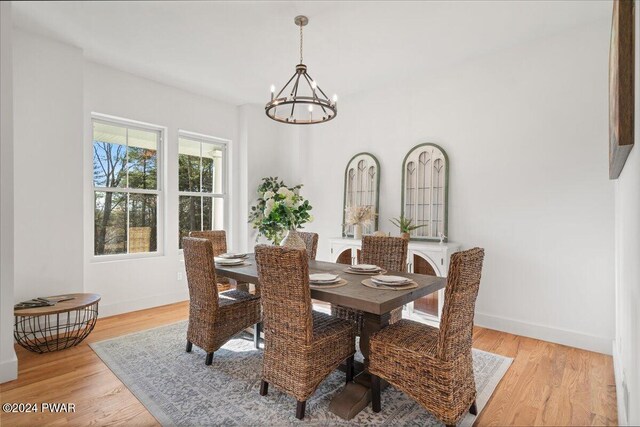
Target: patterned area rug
<point x="179" y="389"/>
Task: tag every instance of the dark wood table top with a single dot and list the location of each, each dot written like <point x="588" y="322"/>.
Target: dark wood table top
<point x="353" y="295"/>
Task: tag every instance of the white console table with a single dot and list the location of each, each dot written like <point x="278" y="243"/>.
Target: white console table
<point x="422" y="258"/>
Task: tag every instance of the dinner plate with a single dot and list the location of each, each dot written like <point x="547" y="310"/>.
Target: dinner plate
<point x="323" y="278"/>
<point x="390" y="280"/>
<point x="365" y="272"/>
<point x="233" y="255"/>
<point x="364" y="267"/>
<point x="391" y="285"/>
<point x="233" y="261"/>
<point x="325" y="283"/>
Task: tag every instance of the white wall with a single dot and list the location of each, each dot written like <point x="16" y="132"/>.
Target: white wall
<point x="140" y="283"/>
<point x="8" y="361"/>
<point x="627" y="225"/>
<point x="526" y="131"/>
<point x="48" y="167"/>
<point x="56" y="90"/>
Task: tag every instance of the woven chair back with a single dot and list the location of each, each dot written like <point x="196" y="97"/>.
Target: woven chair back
<point x="389" y="253"/>
<point x="201" y="279"/>
<point x="311" y="240"/>
<point x="463" y="282"/>
<point x="218" y="239"/>
<point x="284" y="288"/>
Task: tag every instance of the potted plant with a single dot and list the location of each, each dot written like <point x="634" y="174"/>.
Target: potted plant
<point x="359" y="216"/>
<point x="405" y="225"/>
<point x="279" y="210"/>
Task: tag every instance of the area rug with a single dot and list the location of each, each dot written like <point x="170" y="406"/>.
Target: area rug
<point x="178" y="389"/>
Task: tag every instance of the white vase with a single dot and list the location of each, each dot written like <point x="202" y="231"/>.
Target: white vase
<point x="293" y="240"/>
<point x="357" y="231"/>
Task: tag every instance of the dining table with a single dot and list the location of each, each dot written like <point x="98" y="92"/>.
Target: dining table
<point x="375" y="304"/>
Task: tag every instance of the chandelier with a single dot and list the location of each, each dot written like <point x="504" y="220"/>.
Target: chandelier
<point x="301" y="101"/>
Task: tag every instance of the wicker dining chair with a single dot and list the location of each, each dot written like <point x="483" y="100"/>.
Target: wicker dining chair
<point x="434" y="366"/>
<point x="311" y="240"/>
<point x="301" y="346"/>
<point x="214" y="316"/>
<point x="389" y="253"/>
<point x="218" y="239"/>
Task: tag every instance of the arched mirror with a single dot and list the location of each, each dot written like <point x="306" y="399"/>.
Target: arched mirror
<point x="425" y="188"/>
<point x="361" y="188"/>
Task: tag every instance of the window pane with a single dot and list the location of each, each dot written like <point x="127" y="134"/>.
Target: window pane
<point x="212" y="213"/>
<point x="188" y="165"/>
<point x="143" y="156"/>
<point x="143" y="223"/>
<point x="109" y="155"/>
<point x="190" y="218"/>
<point x="110" y="223"/>
<point x="211" y="168"/>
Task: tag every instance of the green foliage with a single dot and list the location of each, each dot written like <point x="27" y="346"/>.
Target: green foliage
<point x="279" y="208"/>
<point x="405" y="224"/>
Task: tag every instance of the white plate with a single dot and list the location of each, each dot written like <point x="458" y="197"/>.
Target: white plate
<point x="364" y="267"/>
<point x="232" y="255"/>
<point x="223" y="261"/>
<point x="390" y="285"/>
<point x="390" y="280"/>
<point x="323" y="278"/>
<point x="325" y="283"/>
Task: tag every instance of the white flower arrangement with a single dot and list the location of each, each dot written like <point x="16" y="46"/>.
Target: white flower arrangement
<point x="359" y="215"/>
<point x="279" y="209"/>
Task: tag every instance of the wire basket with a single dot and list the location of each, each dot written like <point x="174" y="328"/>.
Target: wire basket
<point x="52" y="332"/>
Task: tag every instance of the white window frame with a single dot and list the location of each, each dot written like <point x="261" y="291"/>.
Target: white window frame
<point x="224" y="195"/>
<point x="159" y="191"/>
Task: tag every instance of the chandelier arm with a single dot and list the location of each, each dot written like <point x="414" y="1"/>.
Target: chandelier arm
<point x="293" y="105"/>
<point x="321" y="91"/>
<point x="285" y="86"/>
<point x="294" y="88"/>
<point x="314" y="93"/>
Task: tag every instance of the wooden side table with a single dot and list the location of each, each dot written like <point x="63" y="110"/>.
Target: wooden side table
<point x="64" y="325"/>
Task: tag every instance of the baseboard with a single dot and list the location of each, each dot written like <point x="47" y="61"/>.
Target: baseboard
<point x="9" y="369"/>
<point x="556" y="335"/>
<point x="617" y="373"/>
<point x="142" y="303"/>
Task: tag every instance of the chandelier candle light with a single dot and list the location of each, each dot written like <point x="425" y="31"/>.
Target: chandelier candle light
<point x="290" y="108"/>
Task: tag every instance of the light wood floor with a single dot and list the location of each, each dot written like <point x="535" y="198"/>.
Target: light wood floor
<point x="547" y="384"/>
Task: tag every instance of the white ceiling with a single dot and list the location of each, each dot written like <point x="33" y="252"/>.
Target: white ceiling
<point x="233" y="51"/>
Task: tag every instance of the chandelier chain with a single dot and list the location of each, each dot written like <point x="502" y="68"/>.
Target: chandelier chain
<point x="301" y="43"/>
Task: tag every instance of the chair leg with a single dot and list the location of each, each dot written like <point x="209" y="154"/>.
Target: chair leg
<point x="376" y="405"/>
<point x="209" y="359"/>
<point x="473" y="410"/>
<point x="350" y="369"/>
<point x="257" y="328"/>
<point x="264" y="388"/>
<point x="189" y="346"/>
<point x="300" y="409"/>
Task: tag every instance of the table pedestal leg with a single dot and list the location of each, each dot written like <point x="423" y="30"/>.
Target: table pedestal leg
<point x="356" y="396"/>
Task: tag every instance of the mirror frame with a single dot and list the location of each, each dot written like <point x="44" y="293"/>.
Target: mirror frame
<point x="344" y="194"/>
<point x="446" y="190"/>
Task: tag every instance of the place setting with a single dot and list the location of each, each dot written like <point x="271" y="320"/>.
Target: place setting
<point x="232" y="259"/>
<point x="325" y="280"/>
<point x="365" y="269"/>
<point x="394" y="283"/>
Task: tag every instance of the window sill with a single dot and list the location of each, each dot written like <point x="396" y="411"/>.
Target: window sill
<point x="125" y="257"/>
